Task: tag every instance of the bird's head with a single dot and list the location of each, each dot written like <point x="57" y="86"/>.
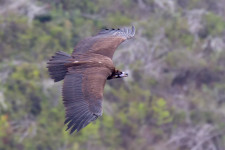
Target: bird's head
<point x="122" y="74"/>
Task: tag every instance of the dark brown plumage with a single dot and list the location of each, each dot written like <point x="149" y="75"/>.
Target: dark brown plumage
<point x="85" y="73"/>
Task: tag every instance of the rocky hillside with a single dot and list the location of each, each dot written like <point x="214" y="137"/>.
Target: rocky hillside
<point x="174" y="97"/>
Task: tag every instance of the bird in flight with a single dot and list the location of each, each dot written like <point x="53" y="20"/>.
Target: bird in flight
<point x="85" y="73"/>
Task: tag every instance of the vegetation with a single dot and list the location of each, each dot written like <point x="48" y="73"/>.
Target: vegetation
<point x="173" y="98"/>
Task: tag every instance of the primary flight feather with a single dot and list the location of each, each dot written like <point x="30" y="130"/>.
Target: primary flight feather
<point x="85" y="73"/>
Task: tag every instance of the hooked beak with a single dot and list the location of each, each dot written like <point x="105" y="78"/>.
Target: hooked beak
<point x="123" y="74"/>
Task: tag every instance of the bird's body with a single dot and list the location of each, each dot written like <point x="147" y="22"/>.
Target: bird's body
<point x="85" y="73"/>
<point x="91" y="60"/>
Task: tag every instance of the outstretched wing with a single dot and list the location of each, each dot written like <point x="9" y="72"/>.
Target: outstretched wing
<point x="105" y="42"/>
<point x="83" y="95"/>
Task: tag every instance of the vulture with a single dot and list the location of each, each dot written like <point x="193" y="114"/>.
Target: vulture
<point x="85" y="72"/>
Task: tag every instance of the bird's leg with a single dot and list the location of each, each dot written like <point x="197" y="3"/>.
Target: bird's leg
<point x="117" y="74"/>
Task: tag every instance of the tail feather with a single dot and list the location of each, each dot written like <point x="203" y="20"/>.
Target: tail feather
<point x="56" y="65"/>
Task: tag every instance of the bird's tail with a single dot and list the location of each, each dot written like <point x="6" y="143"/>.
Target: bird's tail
<point x="56" y="65"/>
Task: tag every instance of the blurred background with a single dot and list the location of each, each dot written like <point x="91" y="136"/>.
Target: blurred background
<point x="173" y="99"/>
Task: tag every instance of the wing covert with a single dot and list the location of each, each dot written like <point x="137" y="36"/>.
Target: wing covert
<point x="105" y="42"/>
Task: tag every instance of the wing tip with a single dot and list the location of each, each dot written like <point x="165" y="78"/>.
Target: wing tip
<point x="129" y="31"/>
<point x="77" y="126"/>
